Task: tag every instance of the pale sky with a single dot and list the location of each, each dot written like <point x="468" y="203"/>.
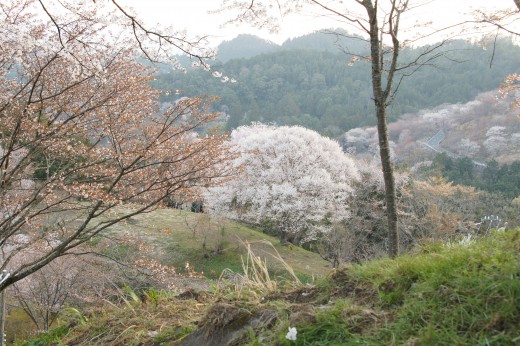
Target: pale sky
<point x="193" y="16"/>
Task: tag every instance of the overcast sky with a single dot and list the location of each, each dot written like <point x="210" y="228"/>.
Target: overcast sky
<point x="193" y="16"/>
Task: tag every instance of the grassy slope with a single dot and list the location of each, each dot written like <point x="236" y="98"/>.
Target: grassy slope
<point x="174" y="237"/>
<point x="458" y="294"/>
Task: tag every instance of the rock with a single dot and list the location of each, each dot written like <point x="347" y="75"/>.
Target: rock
<point x="188" y="294"/>
<point x="304" y="315"/>
<point x="227" y="325"/>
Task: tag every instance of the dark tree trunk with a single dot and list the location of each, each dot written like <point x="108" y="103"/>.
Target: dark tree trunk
<point x="380" y="100"/>
<point x="388" y="174"/>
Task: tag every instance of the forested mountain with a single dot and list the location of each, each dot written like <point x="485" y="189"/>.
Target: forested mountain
<point x="329" y="41"/>
<point x="323" y="90"/>
<point x="244" y="46"/>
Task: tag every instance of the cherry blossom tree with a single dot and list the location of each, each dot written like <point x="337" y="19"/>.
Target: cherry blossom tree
<point x="468" y="147"/>
<point x="84" y="142"/>
<point x="502" y="20"/>
<point x="294" y="181"/>
<point x="380" y="23"/>
<point x="496" y="140"/>
<point x="156" y="43"/>
<point x="44" y="294"/>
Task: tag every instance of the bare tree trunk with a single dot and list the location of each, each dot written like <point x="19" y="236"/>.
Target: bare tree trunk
<point x="517" y="3"/>
<point x="380" y="97"/>
<point x="388" y="175"/>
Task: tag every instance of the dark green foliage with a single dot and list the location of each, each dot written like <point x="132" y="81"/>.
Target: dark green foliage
<point x="315" y="87"/>
<point x="44" y="171"/>
<point x="329" y="41"/>
<point x="502" y="179"/>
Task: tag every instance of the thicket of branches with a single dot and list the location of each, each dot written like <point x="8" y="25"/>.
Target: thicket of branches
<point x="82" y="132"/>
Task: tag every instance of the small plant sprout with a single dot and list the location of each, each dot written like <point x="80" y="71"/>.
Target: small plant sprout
<point x="291" y="335"/>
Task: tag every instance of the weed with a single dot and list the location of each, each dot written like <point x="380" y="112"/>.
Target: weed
<point x="73" y="314"/>
<point x="133" y="298"/>
<point x="152" y="296"/>
<point x="52" y="337"/>
<point x="256" y="278"/>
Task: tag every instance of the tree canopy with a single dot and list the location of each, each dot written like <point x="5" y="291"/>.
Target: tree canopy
<point x="316" y="88"/>
<point x="82" y="135"/>
<point x="294" y="182"/>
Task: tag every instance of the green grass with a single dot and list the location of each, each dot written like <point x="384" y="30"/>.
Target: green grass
<point x="338" y="325"/>
<point x="209" y="244"/>
<point x="212" y="265"/>
<point x="136" y="322"/>
<point x="53" y="337"/>
<point x="442" y="294"/>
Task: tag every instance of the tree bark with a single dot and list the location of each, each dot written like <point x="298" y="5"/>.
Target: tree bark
<point x="517" y="3"/>
<point x="380" y="97"/>
<point x="388" y="175"/>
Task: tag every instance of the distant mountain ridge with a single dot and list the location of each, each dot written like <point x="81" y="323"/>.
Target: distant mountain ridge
<point x="246" y="46"/>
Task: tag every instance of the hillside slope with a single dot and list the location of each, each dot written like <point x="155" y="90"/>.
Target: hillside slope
<point x="168" y="249"/>
<point x="209" y="244"/>
<point x="461" y="293"/>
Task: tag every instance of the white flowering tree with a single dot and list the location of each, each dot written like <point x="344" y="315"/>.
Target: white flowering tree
<point x="380" y="23"/>
<point x="496" y="140"/>
<point x="294" y="181"/>
<point x="468" y="147"/>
